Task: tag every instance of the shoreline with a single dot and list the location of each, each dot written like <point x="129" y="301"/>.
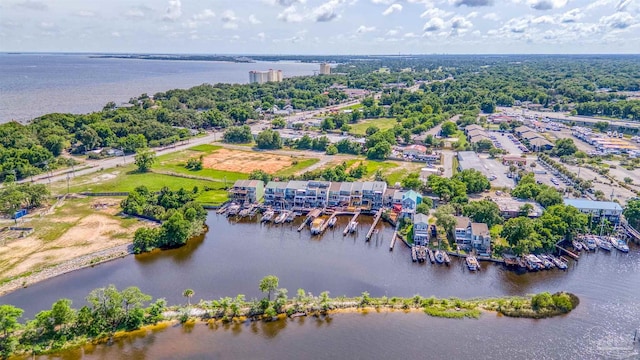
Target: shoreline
<point x="65" y="267"/>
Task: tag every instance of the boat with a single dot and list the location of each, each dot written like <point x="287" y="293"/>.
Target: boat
<point x="619" y="244"/>
<point x="421" y="253"/>
<point x="591" y="243"/>
<point x="244" y="212"/>
<point x="447" y="259"/>
<point x="332" y="221"/>
<point x="439" y="257"/>
<point x="353" y="225"/>
<point x="577" y="245"/>
<point x="558" y="262"/>
<point x="281" y="217"/>
<point x="522" y="264"/>
<point x="539" y="264"/>
<point x="605" y="244"/>
<point x="316" y="226"/>
<point x="530" y="264"/>
<point x="472" y="263"/>
<point x="233" y="210"/>
<point x="414" y="254"/>
<point x="547" y="261"/>
<point x="267" y="216"/>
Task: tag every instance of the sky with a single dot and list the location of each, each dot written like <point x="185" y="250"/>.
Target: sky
<point x="321" y="26"/>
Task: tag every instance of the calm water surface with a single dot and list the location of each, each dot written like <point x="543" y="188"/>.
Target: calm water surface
<point x="234" y="256"/>
<point x="36" y="84"/>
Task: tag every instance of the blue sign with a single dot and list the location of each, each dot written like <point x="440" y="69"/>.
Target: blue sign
<point x="19" y="214"/>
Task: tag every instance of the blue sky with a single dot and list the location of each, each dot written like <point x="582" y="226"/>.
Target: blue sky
<point x="321" y="26"/>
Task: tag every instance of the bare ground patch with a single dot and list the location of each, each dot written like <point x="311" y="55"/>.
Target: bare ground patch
<point x="245" y="161"/>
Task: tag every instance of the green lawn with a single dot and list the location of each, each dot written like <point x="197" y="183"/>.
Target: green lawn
<point x="396" y="176"/>
<point x="361" y="127"/>
<point x="206" y="148"/>
<point x="301" y="165"/>
<point x="213" y="174"/>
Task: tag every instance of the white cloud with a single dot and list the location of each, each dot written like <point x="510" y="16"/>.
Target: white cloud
<point x="290" y="15"/>
<point x="491" y="16"/>
<point x="545" y="19"/>
<point x="471" y="3"/>
<point x="33" y="5"/>
<point x="228" y="16"/>
<point x="365" y="29"/>
<point x="391" y="9"/>
<point x="383" y="2"/>
<point x="285" y="3"/>
<point x="618" y="21"/>
<point x="434" y="24"/>
<point x="327" y="11"/>
<point x="392" y="32"/>
<point x="546" y="4"/>
<point x="84" y="13"/>
<point x="261" y="36"/>
<point x="204" y="15"/>
<point x="571" y="16"/>
<point x="230" y="25"/>
<point x="134" y="13"/>
<point x="622" y="5"/>
<point x="254" y="20"/>
<point x="174" y="11"/>
<point x="115" y="34"/>
<point x="47" y="25"/>
<point x="435" y="12"/>
<point x="458" y="22"/>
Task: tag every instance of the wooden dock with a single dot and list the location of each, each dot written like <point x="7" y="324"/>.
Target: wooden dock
<point x="325" y="225"/>
<point x="373" y="226"/>
<point x="393" y="239"/>
<point x="353" y="219"/>
<point x="571" y="254"/>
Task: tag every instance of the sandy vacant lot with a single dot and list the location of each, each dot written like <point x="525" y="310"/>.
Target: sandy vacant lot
<point x="245" y="161"/>
<point x="78" y="227"/>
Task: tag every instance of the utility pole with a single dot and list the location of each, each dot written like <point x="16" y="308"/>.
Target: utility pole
<point x="68" y="176"/>
<point x="124" y="156"/>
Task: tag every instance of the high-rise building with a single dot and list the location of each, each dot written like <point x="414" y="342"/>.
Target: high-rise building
<point x="325" y="69"/>
<point x="261" y="77"/>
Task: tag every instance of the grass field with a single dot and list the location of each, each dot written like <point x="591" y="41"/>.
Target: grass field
<point x="294" y="169"/>
<point x="396" y="176"/>
<point x="361" y="127"/>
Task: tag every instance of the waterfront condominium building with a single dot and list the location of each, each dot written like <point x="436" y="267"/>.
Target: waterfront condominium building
<point x="261" y="77"/>
<point x="325" y="69"/>
<point x="309" y="194"/>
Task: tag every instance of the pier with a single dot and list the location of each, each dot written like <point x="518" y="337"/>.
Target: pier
<point x="393" y="239"/>
<point x="373" y="226"/>
<point x="571" y="254"/>
<point x="353" y="219"/>
<point x="325" y="225"/>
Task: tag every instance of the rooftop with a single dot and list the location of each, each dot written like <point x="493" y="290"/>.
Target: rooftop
<point x="593" y="204"/>
<point x="420" y="218"/>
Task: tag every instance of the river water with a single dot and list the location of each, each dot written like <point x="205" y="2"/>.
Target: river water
<point x="38" y="84"/>
<point x="233" y="256"/>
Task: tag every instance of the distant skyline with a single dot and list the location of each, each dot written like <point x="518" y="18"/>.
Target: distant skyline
<point x="322" y="27"/>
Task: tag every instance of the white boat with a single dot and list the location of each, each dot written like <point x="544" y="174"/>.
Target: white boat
<point x="332" y="221"/>
<point x="558" y="262"/>
<point x="439" y="256"/>
<point x="591" y="243"/>
<point x="605" y="244"/>
<point x="281" y="217"/>
<point x="619" y="244"/>
<point x="472" y="263"/>
<point x="316" y="226"/>
<point x="353" y="225"/>
<point x="577" y="245"/>
<point x="267" y="216"/>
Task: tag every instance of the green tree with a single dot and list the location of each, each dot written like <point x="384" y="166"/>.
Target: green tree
<point x="448" y="128"/>
<point x="564" y="147"/>
<point x="62" y="313"/>
<point x="278" y="123"/>
<point x="483" y="211"/>
<point x="521" y="234"/>
<point x="380" y="151"/>
<point x="548" y="196"/>
<point x="269" y="139"/>
<point x="144" y="159"/>
<point x="474" y="180"/>
<point x="632" y="213"/>
<point x="423" y="208"/>
<point x="412" y="181"/>
<point x="601" y="125"/>
<point x="331" y="149"/>
<point x="188" y="293"/>
<point x="445" y="218"/>
<point x="238" y="134"/>
<point x="269" y="284"/>
<point x="9" y="315"/>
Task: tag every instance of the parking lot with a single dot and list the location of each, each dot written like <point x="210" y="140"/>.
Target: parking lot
<point x="506" y="142"/>
<point x="493" y="167"/>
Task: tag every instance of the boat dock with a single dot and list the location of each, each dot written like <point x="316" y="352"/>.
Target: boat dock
<point x="373" y="226"/>
<point x="325" y="225"/>
<point x="571" y="254"/>
<point x="353" y="219"/>
<point x="393" y="239"/>
<point x="314" y="213"/>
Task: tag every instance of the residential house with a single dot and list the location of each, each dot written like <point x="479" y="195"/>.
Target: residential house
<point x="414" y="150"/>
<point x="511" y="207"/>
<point x="410" y="200"/>
<point x="472" y="235"/>
<point x="462" y="231"/>
<point x="247" y="191"/>
<point x="274" y="194"/>
<point x="540" y="144"/>
<point x="480" y="238"/>
<point x="522" y="129"/>
<point x="420" y="229"/>
<point x="514" y="160"/>
<point x="471" y="127"/>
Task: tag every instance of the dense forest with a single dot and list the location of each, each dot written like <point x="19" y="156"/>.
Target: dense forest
<point x="588" y="85"/>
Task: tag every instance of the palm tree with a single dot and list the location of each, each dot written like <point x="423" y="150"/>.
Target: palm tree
<point x="188" y="293"/>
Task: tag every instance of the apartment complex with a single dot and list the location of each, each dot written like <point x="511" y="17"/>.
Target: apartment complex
<point x="308" y="194"/>
<point x="325" y="69"/>
<point x="261" y="77"/>
<point x="246" y="191"/>
<point x="596" y="209"/>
